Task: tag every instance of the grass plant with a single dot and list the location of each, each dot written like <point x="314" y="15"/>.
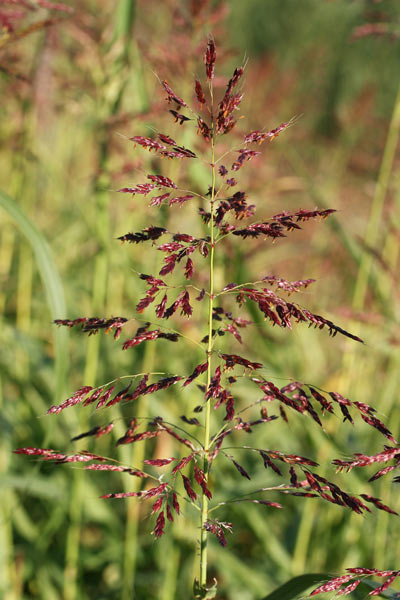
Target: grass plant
<point x="301" y="169"/>
<point x="221" y="209"/>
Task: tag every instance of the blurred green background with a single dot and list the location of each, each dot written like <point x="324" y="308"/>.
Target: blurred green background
<point x="74" y="86"/>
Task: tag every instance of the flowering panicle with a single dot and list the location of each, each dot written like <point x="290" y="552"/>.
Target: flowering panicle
<point x="356" y="575"/>
<point x="223" y="212"/>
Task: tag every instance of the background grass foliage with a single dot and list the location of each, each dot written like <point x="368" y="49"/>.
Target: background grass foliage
<point x="81" y="84"/>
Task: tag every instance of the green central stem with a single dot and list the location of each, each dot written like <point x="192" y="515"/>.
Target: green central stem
<point x="204" y="499"/>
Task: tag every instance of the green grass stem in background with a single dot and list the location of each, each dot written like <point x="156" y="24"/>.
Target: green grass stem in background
<point x="51" y="282"/>
<point x="109" y="106"/>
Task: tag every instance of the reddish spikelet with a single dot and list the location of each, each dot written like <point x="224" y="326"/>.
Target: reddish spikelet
<point x="268" y="463"/>
<point x="377" y="502"/>
<point x="144" y="303"/>
<point x="288" y="286"/>
<point x="175" y="503"/>
<point x="160" y="524"/>
<point x="189" y="269"/>
<point x="161" y="384"/>
<point x="150" y="233"/>
<point x="123" y="495"/>
<point x="241" y="469"/>
<point x="147" y="143"/>
<point x="340" y="399"/>
<point x="116" y="468"/>
<point x="104" y="430"/>
<point x="232" y="329"/>
<point x="180" y="200"/>
<point x="260" y="137"/>
<point x="159" y="462"/>
<point x="349" y="588"/>
<point x="189" y="490"/>
<point x="184" y="237"/>
<point x="45" y="453"/>
<point x="233" y="359"/>
<point x="139" y="389"/>
<point x="118" y="397"/>
<point x="377" y="424"/>
<point x="364" y="408"/>
<point x="365" y="571"/>
<point x="363" y="460"/>
<point x="77" y="397"/>
<point x="105" y="397"/>
<point x="128" y="438"/>
<point x="382" y="472"/>
<point x="169" y="264"/>
<point x="93" y="397"/>
<point x="217" y="528"/>
<point x="157" y="505"/>
<point x="178" y="117"/>
<point x="325" y="404"/>
<point x="244" y="155"/>
<point x="176" y="154"/>
<point x="203" y="129"/>
<point x="158" y="200"/>
<point x="149" y="335"/>
<point x="183" y="152"/>
<point x="172" y="97"/>
<point x="96" y="431"/>
<point x="161" y="181"/>
<point x="83" y="456"/>
<point x="291" y="459"/>
<point x="209" y="59"/>
<point x="271" y="390"/>
<point x="170" y="247"/>
<point x="182" y="463"/>
<point x="293" y="477"/>
<point x="169" y="513"/>
<point x="186" y="306"/>
<point x="167" y="139"/>
<point x="230" y="408"/>
<point x="200" y="297"/>
<point x="332" y="585"/>
<point x="237" y="74"/>
<point x="225" y="120"/>
<point x="267" y="503"/>
<point x="202" y="368"/>
<point x="160" y="308"/>
<point x="214" y="389"/>
<point x="141" y="188"/>
<point x="155" y="491"/>
<point x="377" y="591"/>
<point x="201" y="480"/>
<point x="199" y="93"/>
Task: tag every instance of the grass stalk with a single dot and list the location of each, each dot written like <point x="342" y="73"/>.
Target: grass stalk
<point x="204" y="499"/>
